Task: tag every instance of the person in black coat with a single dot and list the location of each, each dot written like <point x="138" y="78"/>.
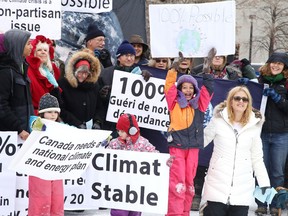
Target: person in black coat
<point x="15" y="97"/>
<point x="80" y="103"/>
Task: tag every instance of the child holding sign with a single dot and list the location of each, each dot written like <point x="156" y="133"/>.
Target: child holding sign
<point x="130" y="140"/>
<point x="45" y="197"/>
<point x="187" y="105"/>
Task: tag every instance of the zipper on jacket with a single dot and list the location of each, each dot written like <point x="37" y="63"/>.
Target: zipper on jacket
<point x="236" y="136"/>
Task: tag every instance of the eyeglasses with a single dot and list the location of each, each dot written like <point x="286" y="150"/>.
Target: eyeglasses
<point x="238" y="98"/>
<point x="161" y="60"/>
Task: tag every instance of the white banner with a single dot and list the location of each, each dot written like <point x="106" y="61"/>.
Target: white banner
<point x="129" y="180"/>
<point x="59" y="152"/>
<point x="43" y="17"/>
<point x="192" y="28"/>
<point x="13" y="186"/>
<point x="132" y="94"/>
<point x="84" y="6"/>
<point x="114" y="179"/>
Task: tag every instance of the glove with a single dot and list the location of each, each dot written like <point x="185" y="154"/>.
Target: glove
<point x="105" y="58"/>
<point x="97" y="53"/>
<point x="177" y="61"/>
<point x="96" y="126"/>
<point x="146" y="75"/>
<point x="243" y="80"/>
<point x="263" y="189"/>
<point x="38" y="125"/>
<point x="82" y="126"/>
<point x="270" y="92"/>
<point x="105" y="91"/>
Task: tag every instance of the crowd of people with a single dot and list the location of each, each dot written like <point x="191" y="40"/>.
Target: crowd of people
<point x="213" y="163"/>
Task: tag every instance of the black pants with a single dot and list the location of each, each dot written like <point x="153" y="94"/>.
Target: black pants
<point x="220" y="209"/>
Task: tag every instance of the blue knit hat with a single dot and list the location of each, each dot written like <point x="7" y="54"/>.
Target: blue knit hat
<point x="125" y="48"/>
<point x="278" y="57"/>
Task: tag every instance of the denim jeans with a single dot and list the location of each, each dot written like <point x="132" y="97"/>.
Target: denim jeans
<point x="275" y="149"/>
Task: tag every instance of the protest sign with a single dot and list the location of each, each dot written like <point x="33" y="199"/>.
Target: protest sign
<point x="192" y="28"/>
<point x="146" y="100"/>
<point x="90" y="6"/>
<point x="59" y="152"/>
<point x="33" y="16"/>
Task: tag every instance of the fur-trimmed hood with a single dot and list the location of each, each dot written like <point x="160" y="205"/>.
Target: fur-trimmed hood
<point x="220" y="107"/>
<point x="95" y="67"/>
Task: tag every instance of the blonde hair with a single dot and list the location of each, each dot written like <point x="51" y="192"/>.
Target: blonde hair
<point x="265" y="70"/>
<point x="246" y="115"/>
<point x="152" y="62"/>
<point x="48" y="64"/>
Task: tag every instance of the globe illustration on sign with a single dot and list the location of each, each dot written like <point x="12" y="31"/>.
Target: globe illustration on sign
<point x="74" y="29"/>
<point x="189" y="41"/>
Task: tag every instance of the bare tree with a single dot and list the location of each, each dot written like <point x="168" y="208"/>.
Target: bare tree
<point x="273" y="20"/>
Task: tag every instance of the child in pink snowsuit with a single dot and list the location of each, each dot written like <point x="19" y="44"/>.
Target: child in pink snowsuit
<point x="130" y="140"/>
<point x="46" y="197"/>
<point x="186" y="104"/>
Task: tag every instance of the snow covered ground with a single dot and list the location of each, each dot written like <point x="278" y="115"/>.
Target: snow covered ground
<point x="106" y="212"/>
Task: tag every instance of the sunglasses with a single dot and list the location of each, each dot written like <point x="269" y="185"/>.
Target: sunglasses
<point x="161" y="60"/>
<point x="238" y="98"/>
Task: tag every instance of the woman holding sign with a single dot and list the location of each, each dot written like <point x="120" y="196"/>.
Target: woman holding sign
<point x="275" y="128"/>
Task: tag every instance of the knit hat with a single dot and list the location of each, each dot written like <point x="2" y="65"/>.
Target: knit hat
<point x="181" y="97"/>
<point x="128" y="123"/>
<point x="125" y="48"/>
<point x="278" y="57"/>
<point x="137" y="39"/>
<point x="93" y="32"/>
<point x="48" y="103"/>
<point x="2" y="47"/>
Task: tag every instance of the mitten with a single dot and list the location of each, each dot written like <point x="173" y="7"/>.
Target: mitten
<point x="104" y="91"/>
<point x="38" y="125"/>
<point x="208" y="60"/>
<point x="243" y="80"/>
<point x="177" y="61"/>
<point x="263" y="189"/>
<point x="82" y="126"/>
<point x="270" y="92"/>
<point x="105" y="142"/>
<point x="96" y="126"/>
<point x="105" y="58"/>
<point x="146" y="75"/>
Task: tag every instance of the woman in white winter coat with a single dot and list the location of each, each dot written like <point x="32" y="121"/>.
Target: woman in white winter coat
<point x="237" y="156"/>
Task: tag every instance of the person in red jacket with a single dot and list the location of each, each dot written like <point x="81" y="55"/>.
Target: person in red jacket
<point x="42" y="72"/>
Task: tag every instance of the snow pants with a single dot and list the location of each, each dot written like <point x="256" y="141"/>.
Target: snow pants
<point x="46" y="197"/>
<point x="181" y="181"/>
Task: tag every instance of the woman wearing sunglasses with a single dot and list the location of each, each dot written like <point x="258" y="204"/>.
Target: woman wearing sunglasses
<point x="235" y="129"/>
<point x="160" y="63"/>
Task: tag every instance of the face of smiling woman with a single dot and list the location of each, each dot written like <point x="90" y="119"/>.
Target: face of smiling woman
<point x="276" y="67"/>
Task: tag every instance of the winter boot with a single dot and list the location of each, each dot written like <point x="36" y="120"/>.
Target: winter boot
<point x="261" y="211"/>
<point x="196" y="203"/>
